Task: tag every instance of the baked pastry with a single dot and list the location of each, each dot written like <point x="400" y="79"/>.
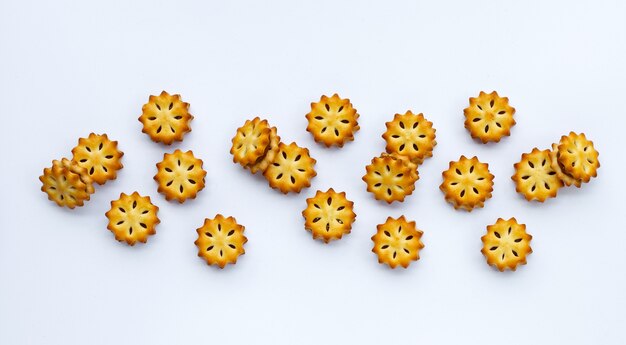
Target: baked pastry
<point x="291" y="170"/>
<point x="220" y="241"/>
<point x="263" y="162"/>
<point x="328" y="215"/>
<point x="397" y="242"/>
<point x="66" y="183"/>
<point x="506" y="244"/>
<point x="410" y="135"/>
<point x="390" y="177"/>
<point x="251" y="142"/>
<point x="132" y="218"/>
<point x="180" y="176"/>
<point x="332" y="121"/>
<point x="535" y="177"/>
<point x="560" y="173"/>
<point x="99" y="156"/>
<point x="165" y="118"/>
<point x="489" y="117"/>
<point x="578" y="157"/>
<point x="467" y="184"/>
<point x="82" y="172"/>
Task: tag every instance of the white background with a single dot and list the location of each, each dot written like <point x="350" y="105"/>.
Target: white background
<point x="70" y="68"/>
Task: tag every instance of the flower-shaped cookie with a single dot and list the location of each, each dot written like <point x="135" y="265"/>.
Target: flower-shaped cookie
<point x="397" y="242"/>
<point x="506" y="244"/>
<point x="390" y="177"/>
<point x="99" y="156"/>
<point x="328" y="215"/>
<point x="271" y="152"/>
<point x="180" y="176"/>
<point x="534" y="176"/>
<point x="560" y="173"/>
<point x="132" y="218"/>
<point x="251" y="142"/>
<point x="467" y="184"/>
<point x="165" y="118"/>
<point x="489" y="117"/>
<point x="578" y="157"/>
<point x="291" y="170"/>
<point x="66" y="183"/>
<point x="332" y="121"/>
<point x="220" y="241"/>
<point x="410" y="135"/>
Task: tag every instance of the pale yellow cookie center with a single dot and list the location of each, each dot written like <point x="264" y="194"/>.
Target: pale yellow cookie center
<point x="63" y="187"/>
<point x="96" y="158"/>
<point x="163" y="116"/>
<point x="332" y="118"/>
<point x="288" y="165"/>
<point x="250" y="141"/>
<point x="395" y="242"/>
<point x="329" y="212"/>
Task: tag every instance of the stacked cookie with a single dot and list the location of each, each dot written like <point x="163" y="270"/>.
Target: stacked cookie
<point x="255" y="145"/>
<point x="69" y="183"/>
<point x="575" y="159"/>
<point x="541" y="173"/>
<point x="391" y="177"/>
<point x="66" y="183"/>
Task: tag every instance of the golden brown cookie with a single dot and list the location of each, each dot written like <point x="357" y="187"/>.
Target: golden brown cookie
<point x="99" y="156"/>
<point x="390" y="177"/>
<point x="132" y="218"/>
<point x="410" y="135"/>
<point x="291" y="170"/>
<point x="82" y="172"/>
<point x="534" y="176"/>
<point x="251" y="142"/>
<point x="397" y="242"/>
<point x="66" y="183"/>
<point x="489" y="117"/>
<point x="578" y="157"/>
<point x="560" y="173"/>
<point x="262" y="163"/>
<point x="165" y="118"/>
<point x="506" y="244"/>
<point x="220" y="241"/>
<point x="467" y="184"/>
<point x="332" y="121"/>
<point x="180" y="176"/>
<point x="328" y="215"/>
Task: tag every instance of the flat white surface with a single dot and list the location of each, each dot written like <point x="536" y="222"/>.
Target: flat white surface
<point x="70" y="68"/>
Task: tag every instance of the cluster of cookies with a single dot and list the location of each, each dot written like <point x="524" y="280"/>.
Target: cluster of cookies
<point x="410" y="139"/>
<point x="329" y="215"/>
<point x="468" y="183"/>
<point x="69" y="183"/>
<point x="289" y="168"/>
<point x="397" y="242"/>
<point x="133" y="218"/>
<point x="540" y="173"/>
<point x="257" y="147"/>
